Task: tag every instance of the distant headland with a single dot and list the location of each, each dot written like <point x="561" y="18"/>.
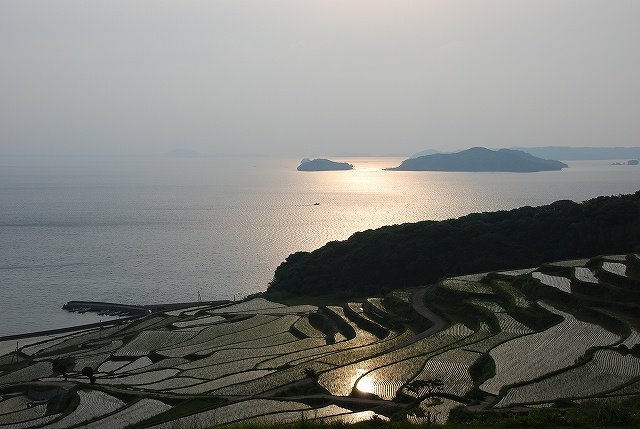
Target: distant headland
<point x="565" y="153"/>
<point x="321" y="164"/>
<point x="479" y="159"/>
<point x="630" y="162"/>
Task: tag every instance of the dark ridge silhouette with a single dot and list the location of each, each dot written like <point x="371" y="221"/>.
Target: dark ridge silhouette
<point x="479" y="159"/>
<point x="414" y="254"/>
<point x="425" y="152"/>
<point x="321" y="164"/>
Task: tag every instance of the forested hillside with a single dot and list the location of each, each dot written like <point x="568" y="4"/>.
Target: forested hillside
<point x="414" y="254"/>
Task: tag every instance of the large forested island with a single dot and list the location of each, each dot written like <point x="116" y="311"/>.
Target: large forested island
<point x="479" y="159"/>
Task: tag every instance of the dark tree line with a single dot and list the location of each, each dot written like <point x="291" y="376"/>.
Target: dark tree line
<point x="407" y="255"/>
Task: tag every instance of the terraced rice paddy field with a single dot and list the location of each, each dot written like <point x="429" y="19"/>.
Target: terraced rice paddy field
<point x="525" y="338"/>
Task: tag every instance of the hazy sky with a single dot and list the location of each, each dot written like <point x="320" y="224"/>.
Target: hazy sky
<point x="316" y="77"/>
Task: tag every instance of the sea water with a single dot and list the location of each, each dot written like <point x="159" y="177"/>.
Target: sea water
<point x="156" y="230"/>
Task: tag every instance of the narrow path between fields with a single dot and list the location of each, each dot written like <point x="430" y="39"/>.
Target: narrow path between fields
<point x="417" y="302"/>
<point x="438" y="323"/>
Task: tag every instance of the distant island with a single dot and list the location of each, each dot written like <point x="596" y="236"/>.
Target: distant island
<point x="478" y="159"/>
<point x="321" y="164"/>
<point x="566" y="153"/>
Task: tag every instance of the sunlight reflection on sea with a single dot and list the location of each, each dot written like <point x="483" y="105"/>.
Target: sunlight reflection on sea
<point x="147" y="230"/>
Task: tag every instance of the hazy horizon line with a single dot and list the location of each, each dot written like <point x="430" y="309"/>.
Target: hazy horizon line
<point x="188" y="153"/>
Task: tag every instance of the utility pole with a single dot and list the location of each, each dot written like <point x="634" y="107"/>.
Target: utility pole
<point x="15" y="355"/>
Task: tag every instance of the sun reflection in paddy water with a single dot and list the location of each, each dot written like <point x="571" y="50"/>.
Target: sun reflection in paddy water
<point x="366" y="385"/>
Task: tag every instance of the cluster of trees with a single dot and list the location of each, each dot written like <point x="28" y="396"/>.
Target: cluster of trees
<point x="63" y="365"/>
<point x="401" y="256"/>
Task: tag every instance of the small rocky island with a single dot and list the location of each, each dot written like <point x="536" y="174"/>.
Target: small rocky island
<point x="479" y="159"/>
<point x="321" y="164"/>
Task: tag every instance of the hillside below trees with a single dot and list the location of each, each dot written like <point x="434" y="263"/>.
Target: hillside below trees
<point x="413" y="254"/>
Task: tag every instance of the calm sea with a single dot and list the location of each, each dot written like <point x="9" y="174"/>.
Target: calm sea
<point x="162" y="230"/>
